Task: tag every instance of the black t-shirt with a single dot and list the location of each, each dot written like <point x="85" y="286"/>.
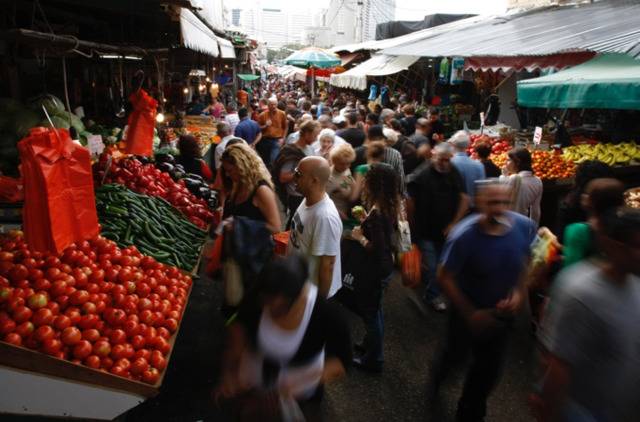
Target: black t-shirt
<point x="490" y="169"/>
<point x="437" y="197"/>
<point x="437" y="127"/>
<point x="409" y="124"/>
<point x="353" y="135"/>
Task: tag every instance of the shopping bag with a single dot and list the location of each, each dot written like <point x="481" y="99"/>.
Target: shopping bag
<point x="59" y="201"/>
<point x="142" y="122"/>
<point x="282" y="243"/>
<point x="215" y="262"/>
<point x="411" y="267"/>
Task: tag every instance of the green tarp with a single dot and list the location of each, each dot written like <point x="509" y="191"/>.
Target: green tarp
<point x="248" y="76"/>
<point x="608" y="81"/>
<point x="313" y="56"/>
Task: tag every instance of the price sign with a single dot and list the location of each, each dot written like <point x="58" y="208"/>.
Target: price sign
<point x="96" y="146"/>
<point x="537" y="135"/>
<point x="482" y="118"/>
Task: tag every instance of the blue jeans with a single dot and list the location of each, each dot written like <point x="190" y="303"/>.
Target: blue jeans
<point x="431" y="252"/>
<point x="374" y="328"/>
<point x="268" y="149"/>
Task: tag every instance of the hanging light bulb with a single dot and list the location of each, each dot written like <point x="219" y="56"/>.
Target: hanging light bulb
<point x="202" y="87"/>
<point x="160" y="117"/>
<point x="185" y="91"/>
<point x="207" y="79"/>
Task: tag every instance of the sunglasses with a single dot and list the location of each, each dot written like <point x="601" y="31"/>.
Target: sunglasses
<point x="297" y="174"/>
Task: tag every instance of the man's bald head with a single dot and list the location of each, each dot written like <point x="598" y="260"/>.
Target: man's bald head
<point x="316" y="167"/>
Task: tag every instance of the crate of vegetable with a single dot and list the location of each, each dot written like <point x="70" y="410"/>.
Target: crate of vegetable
<point x="103" y="314"/>
<point x="151" y="224"/>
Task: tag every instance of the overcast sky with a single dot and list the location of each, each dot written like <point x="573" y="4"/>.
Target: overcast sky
<point x="405" y="9"/>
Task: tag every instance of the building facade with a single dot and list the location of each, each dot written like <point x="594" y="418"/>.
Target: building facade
<point x="354" y="21"/>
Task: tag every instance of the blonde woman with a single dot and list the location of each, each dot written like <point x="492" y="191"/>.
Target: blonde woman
<point x="341" y="181"/>
<point x="250" y="187"/>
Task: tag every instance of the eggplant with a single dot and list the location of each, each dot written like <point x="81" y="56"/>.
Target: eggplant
<point x="166" y="167"/>
<point x="204" y="193"/>
<point x="180" y="167"/>
<point x="176" y="174"/>
<point x="195" y="177"/>
<point x="165" y="158"/>
<point x="192" y="184"/>
<point x="143" y="159"/>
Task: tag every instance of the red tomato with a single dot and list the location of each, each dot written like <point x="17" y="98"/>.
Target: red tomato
<point x="43" y="316"/>
<point x="71" y="336"/>
<point x="54" y="273"/>
<point x="111" y="275"/>
<point x="93" y="288"/>
<point x="44" y="332"/>
<point x="162" y="345"/>
<point x="89" y="308"/>
<point x="51" y="346"/>
<point x="164" y="333"/>
<point x="114" y="317"/>
<point x="151" y="376"/>
<point x="142" y="289"/>
<point x="6" y="293"/>
<point x="61" y="322"/>
<point x="25" y="329"/>
<point x="130" y="286"/>
<point x="97" y="276"/>
<point x="42" y="284"/>
<point x="138" y="342"/>
<point x="101" y="305"/>
<point x="102" y="348"/>
<point x="88" y="321"/>
<point x="6" y="256"/>
<point x="13" y="338"/>
<point x="7" y="326"/>
<point x="118" y="352"/>
<point x="145" y="304"/>
<point x="124" y="363"/>
<point x="162" y="291"/>
<point x="129" y="351"/>
<point x="118" y="370"/>
<point x="79" y="297"/>
<point x="37" y="300"/>
<point x="143" y="353"/>
<point x="54" y="306"/>
<point x="131" y="328"/>
<point x="18" y="272"/>
<point x="139" y="365"/>
<point x="118" y="336"/>
<point x="106" y="363"/>
<point x="92" y="361"/>
<point x="58" y="288"/>
<point x="82" y="349"/>
<point x="74" y="314"/>
<point x="22" y="314"/>
<point x="147" y="317"/>
<point x="157" y="360"/>
<point x="91" y="335"/>
<point x="173" y="315"/>
<point x="126" y="275"/>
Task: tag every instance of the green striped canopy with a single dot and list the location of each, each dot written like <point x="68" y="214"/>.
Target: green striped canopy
<point x="313" y="57"/>
<point x="248" y="76"/>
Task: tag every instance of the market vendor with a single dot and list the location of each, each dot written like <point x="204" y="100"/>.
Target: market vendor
<point x="191" y="157"/>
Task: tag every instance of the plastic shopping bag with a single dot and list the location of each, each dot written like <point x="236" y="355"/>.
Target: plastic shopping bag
<point x="59" y="201"/>
<point x="411" y="267"/>
<point x="142" y="122"/>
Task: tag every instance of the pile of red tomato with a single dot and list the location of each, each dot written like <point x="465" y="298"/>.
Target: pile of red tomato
<point x="498" y="145"/>
<point x="97" y="305"/>
<point x="148" y="180"/>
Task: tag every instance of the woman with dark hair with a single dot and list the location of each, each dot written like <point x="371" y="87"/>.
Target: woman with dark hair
<point x="191" y="157"/>
<point x="286" y="342"/>
<point x="526" y="187"/>
<point x="483" y="149"/>
<point x="571" y="209"/>
<point x="382" y="200"/>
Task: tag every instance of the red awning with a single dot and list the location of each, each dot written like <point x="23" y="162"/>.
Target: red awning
<point x="528" y="63"/>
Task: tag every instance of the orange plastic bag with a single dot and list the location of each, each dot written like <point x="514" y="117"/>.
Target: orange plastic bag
<point x="411" y="267"/>
<point x="142" y="121"/>
<point x="59" y="202"/>
<point x="11" y="190"/>
<point x="282" y="242"/>
<point x="215" y="262"/>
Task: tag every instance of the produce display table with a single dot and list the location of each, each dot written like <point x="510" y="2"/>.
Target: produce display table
<point x="47" y="386"/>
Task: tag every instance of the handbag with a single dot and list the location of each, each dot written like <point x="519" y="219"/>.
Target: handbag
<point x="232" y="279"/>
<point x="401" y="236"/>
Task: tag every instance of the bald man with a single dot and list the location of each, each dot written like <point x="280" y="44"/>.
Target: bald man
<point x="316" y="227"/>
<point x="273" y="124"/>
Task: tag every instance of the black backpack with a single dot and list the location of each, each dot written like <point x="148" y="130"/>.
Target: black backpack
<point x="288" y="153"/>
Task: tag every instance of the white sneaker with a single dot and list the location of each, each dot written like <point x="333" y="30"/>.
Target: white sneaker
<point x="438" y="304"/>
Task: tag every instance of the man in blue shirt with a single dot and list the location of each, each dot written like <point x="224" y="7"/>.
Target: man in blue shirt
<point x="470" y="170"/>
<point x="247" y="129"/>
<point x="482" y="272"/>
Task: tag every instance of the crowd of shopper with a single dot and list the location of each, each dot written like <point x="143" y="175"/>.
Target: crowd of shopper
<point x="340" y="176"/>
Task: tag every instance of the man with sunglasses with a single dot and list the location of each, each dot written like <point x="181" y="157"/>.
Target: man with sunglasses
<point x="482" y="272"/>
<point x="316" y="227"/>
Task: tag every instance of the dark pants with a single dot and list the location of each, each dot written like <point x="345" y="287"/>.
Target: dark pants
<point x="487" y="353"/>
<point x="268" y="149"/>
<point x="373" y="320"/>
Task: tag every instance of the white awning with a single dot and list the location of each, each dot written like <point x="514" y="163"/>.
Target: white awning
<point x="226" y="49"/>
<point x="196" y="35"/>
<point x="293" y="72"/>
<point x="378" y="65"/>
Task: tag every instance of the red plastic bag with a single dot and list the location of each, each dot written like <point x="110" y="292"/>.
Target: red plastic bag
<point x="215" y="263"/>
<point x="59" y="202"/>
<point x="282" y="243"/>
<point x="411" y="267"/>
<point x="142" y="121"/>
<point x="11" y="190"/>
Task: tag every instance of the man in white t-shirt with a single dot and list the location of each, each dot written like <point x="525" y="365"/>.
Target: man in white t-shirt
<point x="316" y="227"/>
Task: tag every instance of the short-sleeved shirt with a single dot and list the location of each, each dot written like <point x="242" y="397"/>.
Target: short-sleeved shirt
<point x="248" y="130"/>
<point x="470" y="170"/>
<point x="339" y="189"/>
<point x="278" y="126"/>
<point x="592" y="324"/>
<point x="316" y="232"/>
<point x="232" y="120"/>
<point x="488" y="267"/>
<point x="437" y="198"/>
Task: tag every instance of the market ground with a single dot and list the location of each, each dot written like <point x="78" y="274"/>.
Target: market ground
<point x="413" y="335"/>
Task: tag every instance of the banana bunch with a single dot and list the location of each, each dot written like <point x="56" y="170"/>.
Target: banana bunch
<point x="621" y="154"/>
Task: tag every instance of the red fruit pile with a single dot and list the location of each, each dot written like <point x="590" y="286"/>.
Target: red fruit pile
<point x="498" y="145"/>
<point x="148" y="180"/>
<point x="95" y="304"/>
